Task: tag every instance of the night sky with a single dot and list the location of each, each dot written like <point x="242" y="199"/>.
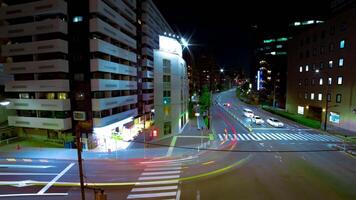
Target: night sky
<point x="224" y="28"/>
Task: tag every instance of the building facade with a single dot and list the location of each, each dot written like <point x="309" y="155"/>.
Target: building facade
<point x="84" y="65"/>
<point x="171" y="94"/>
<point x="321" y="66"/>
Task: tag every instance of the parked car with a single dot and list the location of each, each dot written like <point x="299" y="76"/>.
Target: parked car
<point x="248" y="113"/>
<point x="274" y="122"/>
<point x="227" y="104"/>
<point x="257" y="120"/>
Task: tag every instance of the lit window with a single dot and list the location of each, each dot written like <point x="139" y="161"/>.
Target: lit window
<point x="306" y="68"/>
<point x="330" y="80"/>
<point x="300" y="69"/>
<point x="338" y="98"/>
<point x="342" y="44"/>
<point x="312" y="96"/>
<point x="320" y="97"/>
<point x="50" y="95"/>
<point x="77" y="19"/>
<point x="301" y="110"/>
<point x="321" y="81"/>
<point x="330" y="64"/>
<point x="341" y="62"/>
<point x="306" y="95"/>
<point x="62" y="95"/>
<point x="339" y="80"/>
<point x="279" y="46"/>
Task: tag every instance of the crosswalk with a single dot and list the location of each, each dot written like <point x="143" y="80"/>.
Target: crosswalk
<point x="157" y="181"/>
<point x="278" y="137"/>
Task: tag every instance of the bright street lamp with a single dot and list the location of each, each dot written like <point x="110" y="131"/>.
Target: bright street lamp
<point x="4" y="102"/>
<point x="184" y="42"/>
<point x="222" y="70"/>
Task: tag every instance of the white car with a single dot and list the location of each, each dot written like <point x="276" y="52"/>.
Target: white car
<point x="257" y="120"/>
<point x="248" y="113"/>
<point x="274" y="122"/>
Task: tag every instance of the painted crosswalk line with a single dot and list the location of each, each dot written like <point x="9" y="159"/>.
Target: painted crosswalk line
<point x="278" y="137"/>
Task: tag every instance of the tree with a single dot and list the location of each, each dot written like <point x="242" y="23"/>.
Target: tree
<point x="204" y="99"/>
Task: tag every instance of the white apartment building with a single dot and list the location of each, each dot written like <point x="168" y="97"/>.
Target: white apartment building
<point x="171" y="94"/>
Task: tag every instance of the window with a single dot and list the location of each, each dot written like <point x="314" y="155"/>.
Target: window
<point x="330" y="64"/>
<point x="314" y="51"/>
<point x="338" y="98"/>
<point x="167" y="111"/>
<point x="306" y="68"/>
<point x="166" y="66"/>
<point x="330" y="80"/>
<point x="321" y="65"/>
<point x="339" y="80"/>
<point x="301" y="110"/>
<point x="50" y="95"/>
<point x="306" y="82"/>
<point x="300" y="69"/>
<point x="166" y="78"/>
<point x="312" y="96"/>
<point x="341" y="62"/>
<point x="321" y="81"/>
<point x="320" y="97"/>
<point x="307" y="54"/>
<point x="62" y="95"/>
<point x="24" y="96"/>
<point x="77" y="19"/>
<point x="322" y="50"/>
<point x="306" y="95"/>
<point x="313" y="82"/>
<point x="167" y="128"/>
<point x="166" y="93"/>
<point x="342" y="44"/>
<point x="331" y="47"/>
<point x="300" y="83"/>
<point x="328" y="97"/>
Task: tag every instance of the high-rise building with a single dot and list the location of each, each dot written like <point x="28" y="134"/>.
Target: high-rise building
<point x="321" y="66"/>
<point x="83" y="65"/>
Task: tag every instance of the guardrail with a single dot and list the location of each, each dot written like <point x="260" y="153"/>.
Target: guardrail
<point x="9" y="140"/>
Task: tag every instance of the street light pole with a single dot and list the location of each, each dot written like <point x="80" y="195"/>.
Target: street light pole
<point x="80" y="164"/>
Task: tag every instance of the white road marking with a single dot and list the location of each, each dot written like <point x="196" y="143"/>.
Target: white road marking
<point x="157" y="182"/>
<point x="275" y="135"/>
<point x="178" y="194"/>
<point x="27" y="160"/>
<point x="152" y="195"/>
<point x="45" y="188"/>
<point x="240" y="136"/>
<point x="146" y="189"/>
<point x="159" y="173"/>
<point x="247" y="136"/>
<point x="33" y="194"/>
<point x="11" y="159"/>
<point x="260" y="135"/>
<point x="157" y="177"/>
<point x="221" y="138"/>
<point x="256" y="136"/>
<point x="162" y="168"/>
<point x="24" y="174"/>
<point x="45" y="161"/>
<point x="26" y="166"/>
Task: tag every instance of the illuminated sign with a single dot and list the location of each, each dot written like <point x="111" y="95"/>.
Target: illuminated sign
<point x="79" y="115"/>
<point x="334" y="117"/>
<point x="258" y="79"/>
<point x="170" y="45"/>
<point x="301" y="110"/>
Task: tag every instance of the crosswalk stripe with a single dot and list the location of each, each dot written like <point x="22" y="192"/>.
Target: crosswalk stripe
<point x="285" y="136"/>
<point x="271" y="136"/>
<point x="240" y="136"/>
<point x="261" y="136"/>
<point x="322" y="138"/>
<point x="333" y="138"/>
<point x="307" y="136"/>
<point x="221" y="138"/>
<point x="311" y="137"/>
<point x="293" y="136"/>
<point x="167" y="182"/>
<point x="159" y="173"/>
<point x="300" y="137"/>
<point x="277" y="136"/>
<point x="254" y="137"/>
<point x="162" y="168"/>
<point x="266" y="136"/>
<point x="146" y="189"/>
<point x="151" y="195"/>
<point x="158" y="177"/>
<point x="248" y="137"/>
<point x="316" y="137"/>
<point x="231" y="137"/>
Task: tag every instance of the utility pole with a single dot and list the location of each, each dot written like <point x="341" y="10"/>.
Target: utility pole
<point x="80" y="164"/>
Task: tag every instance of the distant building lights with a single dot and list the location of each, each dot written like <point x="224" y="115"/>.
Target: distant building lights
<point x="77" y="19"/>
<point x="297" y="23"/>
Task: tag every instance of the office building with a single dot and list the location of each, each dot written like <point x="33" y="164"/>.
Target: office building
<point x="321" y="69"/>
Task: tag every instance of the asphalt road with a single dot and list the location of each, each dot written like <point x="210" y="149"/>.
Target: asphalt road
<point x="293" y="162"/>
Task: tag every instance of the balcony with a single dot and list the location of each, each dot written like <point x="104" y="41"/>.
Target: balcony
<point x="147" y="96"/>
<point x="100" y="122"/>
<point x="97" y="25"/>
<point x="123" y="8"/>
<point x="147" y="85"/>
<point x="147" y="74"/>
<point x="37" y="67"/>
<point x="131" y="3"/>
<point x="148" y="31"/>
<point x="147" y="51"/>
<point x="34" y="28"/>
<point x="98" y="6"/>
<point x="47" y="46"/>
<point x="147" y="63"/>
<point x="38" y="86"/>
<point x="99" y="65"/>
<point x="147" y="40"/>
<point x="40" y="104"/>
<point x="110" y="49"/>
<point x="149" y="107"/>
<point x="108" y="85"/>
<point x="33" y="9"/>
<point x="108" y="103"/>
<point x="45" y="123"/>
